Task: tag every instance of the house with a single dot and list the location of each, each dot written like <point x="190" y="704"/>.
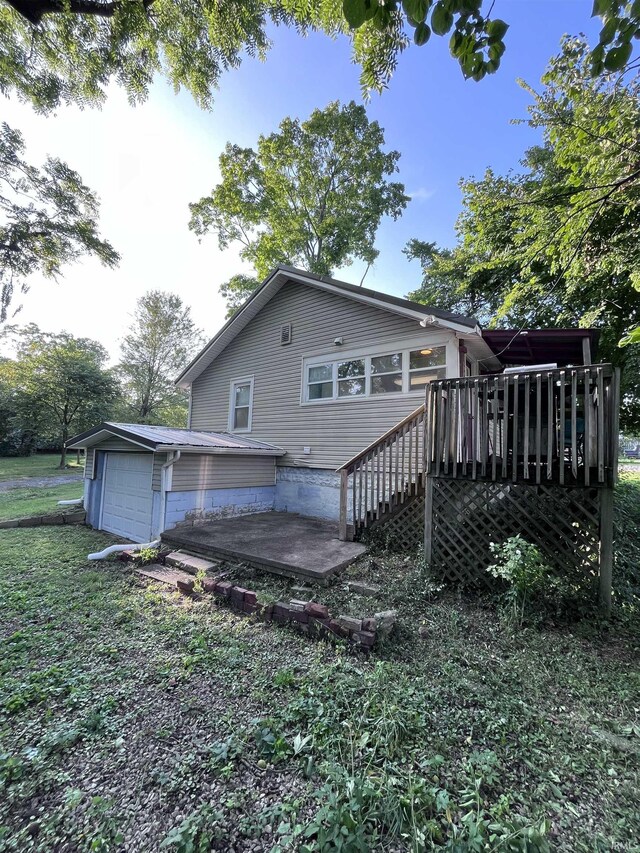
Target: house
<point x="307" y="373"/>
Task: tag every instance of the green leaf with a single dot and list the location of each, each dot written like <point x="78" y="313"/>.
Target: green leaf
<point x="497" y="29"/>
<point x="608" y="32"/>
<point x="416" y="10"/>
<point x="441" y="19"/>
<point x="617" y="57"/>
<point x="356" y="12"/>
<point x="632" y="338"/>
<point x="601" y="8"/>
<point x="422" y="34"/>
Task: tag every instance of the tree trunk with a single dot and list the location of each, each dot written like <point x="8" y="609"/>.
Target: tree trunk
<point x="63" y="455"/>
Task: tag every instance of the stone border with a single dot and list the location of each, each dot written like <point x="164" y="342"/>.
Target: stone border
<point x="41" y="520"/>
<point x="307" y="617"/>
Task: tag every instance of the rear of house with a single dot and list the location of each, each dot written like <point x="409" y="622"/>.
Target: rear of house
<point x="303" y="377"/>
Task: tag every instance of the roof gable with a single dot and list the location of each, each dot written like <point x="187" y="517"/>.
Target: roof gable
<point x="423" y="314"/>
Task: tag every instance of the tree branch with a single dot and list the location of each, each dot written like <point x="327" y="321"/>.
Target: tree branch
<point x="34" y="10"/>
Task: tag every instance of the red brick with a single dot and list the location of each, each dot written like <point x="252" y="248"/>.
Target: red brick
<point x="281" y="613"/>
<point x="299" y="616"/>
<point x="249" y="606"/>
<point x="236" y="596"/>
<point x="250" y="596"/>
<point x="223" y="588"/>
<point x="186" y="586"/>
<point x="318" y="611"/>
<point x="335" y="628"/>
<point x="208" y="585"/>
<point x="364" y="638"/>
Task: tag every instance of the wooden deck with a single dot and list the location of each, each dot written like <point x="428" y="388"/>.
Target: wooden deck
<point x="279" y="542"/>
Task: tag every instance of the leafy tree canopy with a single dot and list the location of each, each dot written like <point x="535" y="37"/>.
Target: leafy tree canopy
<point x="48" y="218"/>
<point x="313" y="195"/>
<point x="60" y="51"/>
<point x="60" y="384"/>
<point x="557" y="243"/>
<point x="162" y="340"/>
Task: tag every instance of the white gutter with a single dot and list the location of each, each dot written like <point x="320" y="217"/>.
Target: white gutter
<point x="74" y="502"/>
<point x="239" y="451"/>
<point x="165" y="483"/>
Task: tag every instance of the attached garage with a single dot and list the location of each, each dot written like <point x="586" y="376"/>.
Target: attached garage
<point x="141" y="480"/>
<point x="127" y="495"/>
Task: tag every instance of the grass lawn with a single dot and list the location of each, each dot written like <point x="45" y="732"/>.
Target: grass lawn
<point x="132" y="719"/>
<point x="39" y="500"/>
<point x="39" y="465"/>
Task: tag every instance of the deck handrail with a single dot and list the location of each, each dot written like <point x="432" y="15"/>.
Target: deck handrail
<point x="388" y="434"/>
<point x="549" y="425"/>
<point x="383" y="476"/>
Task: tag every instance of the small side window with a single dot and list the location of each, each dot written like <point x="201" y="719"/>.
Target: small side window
<point x="241" y="405"/>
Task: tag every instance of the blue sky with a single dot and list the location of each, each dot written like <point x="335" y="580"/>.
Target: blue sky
<point x="147" y="163"/>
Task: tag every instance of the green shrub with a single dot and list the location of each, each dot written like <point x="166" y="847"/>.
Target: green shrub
<point x="521" y="566"/>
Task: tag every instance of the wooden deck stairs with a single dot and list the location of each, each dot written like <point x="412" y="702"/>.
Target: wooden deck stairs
<point x="384" y="485"/>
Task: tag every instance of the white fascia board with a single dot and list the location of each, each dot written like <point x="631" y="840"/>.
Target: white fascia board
<point x="104" y="434"/>
<point x="228" y="451"/>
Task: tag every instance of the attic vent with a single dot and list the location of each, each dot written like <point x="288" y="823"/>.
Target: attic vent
<point x="285" y="334"/>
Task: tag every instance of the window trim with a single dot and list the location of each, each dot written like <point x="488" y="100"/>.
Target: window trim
<point x="246" y="380"/>
<point x="335" y="358"/>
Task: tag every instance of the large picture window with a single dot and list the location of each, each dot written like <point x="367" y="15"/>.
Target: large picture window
<point x="241" y="405"/>
<point x="399" y="372"/>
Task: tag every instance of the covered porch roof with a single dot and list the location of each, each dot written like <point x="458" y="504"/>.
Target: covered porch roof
<point x="523" y="347"/>
<point x="161" y="438"/>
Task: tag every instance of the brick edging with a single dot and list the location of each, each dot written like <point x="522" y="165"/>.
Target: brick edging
<point x="41" y="520"/>
<point x="308" y="617"/>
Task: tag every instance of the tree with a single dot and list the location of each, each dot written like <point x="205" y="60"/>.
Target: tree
<point x="48" y="218"/>
<point x="313" y="194"/>
<point x="61" y="385"/>
<point x="61" y="51"/>
<point x="559" y="242"/>
<point x="162" y="339"/>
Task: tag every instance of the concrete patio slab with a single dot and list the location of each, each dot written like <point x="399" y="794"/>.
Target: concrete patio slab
<point x="280" y="542"/>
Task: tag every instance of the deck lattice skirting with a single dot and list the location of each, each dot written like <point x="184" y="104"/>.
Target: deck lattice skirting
<point x="564" y="523"/>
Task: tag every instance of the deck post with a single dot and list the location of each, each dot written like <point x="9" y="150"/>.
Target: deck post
<point x="606" y="549"/>
<point x="344" y="490"/>
<point x="428" y="518"/>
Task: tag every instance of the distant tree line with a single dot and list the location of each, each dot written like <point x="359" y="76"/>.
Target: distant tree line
<point x="58" y="385"/>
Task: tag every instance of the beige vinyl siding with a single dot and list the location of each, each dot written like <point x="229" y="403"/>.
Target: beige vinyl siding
<point x="156" y="477"/>
<point x="212" y="471"/>
<point x="88" y="463"/>
<point x="334" y="430"/>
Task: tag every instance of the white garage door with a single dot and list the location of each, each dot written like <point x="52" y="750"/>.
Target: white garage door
<point x="127" y="495"/>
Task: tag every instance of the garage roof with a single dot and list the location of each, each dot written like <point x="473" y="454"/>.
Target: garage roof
<point x="159" y="438"/>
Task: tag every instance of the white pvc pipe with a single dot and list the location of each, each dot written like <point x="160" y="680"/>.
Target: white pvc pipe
<point x="115" y="549"/>
<point x="71" y="503"/>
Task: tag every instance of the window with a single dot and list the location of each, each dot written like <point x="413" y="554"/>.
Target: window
<point x="386" y="374"/>
<point x="368" y="375"/>
<point x="241" y="405"/>
<point x="320" y="382"/>
<point x="425" y="365"/>
<point x="351" y="378"/>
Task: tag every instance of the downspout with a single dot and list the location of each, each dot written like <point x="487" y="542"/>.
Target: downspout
<point x="165" y="483"/>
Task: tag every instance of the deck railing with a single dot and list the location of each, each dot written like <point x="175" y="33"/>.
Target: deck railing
<point x="384" y="476"/>
<point x="548" y="426"/>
